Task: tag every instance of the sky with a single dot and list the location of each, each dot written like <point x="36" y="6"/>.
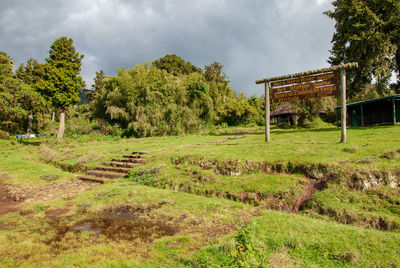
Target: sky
<point x="253" y="39"/>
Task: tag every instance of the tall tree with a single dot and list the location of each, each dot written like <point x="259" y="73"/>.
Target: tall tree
<point x="30" y="74"/>
<point x="213" y="72"/>
<point x="96" y="87"/>
<point x="366" y="32"/>
<point x="61" y="77"/>
<point x="175" y="65"/>
<point x="17" y="100"/>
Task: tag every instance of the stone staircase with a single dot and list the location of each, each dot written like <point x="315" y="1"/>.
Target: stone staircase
<point x="116" y="168"/>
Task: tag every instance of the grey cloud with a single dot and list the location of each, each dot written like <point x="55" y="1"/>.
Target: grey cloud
<point x="252" y="39"/>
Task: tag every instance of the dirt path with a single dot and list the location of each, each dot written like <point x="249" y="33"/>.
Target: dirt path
<point x="49" y="191"/>
<point x="7" y="203"/>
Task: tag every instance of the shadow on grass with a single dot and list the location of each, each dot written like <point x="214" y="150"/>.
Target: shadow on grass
<point x="320" y="130"/>
<point x="30" y="142"/>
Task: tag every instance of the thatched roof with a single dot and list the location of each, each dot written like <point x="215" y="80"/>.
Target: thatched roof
<point x="285" y="108"/>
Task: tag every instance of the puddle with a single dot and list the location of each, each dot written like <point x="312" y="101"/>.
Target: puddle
<point x="86" y="228"/>
<point x="115" y="228"/>
<point x="126" y="229"/>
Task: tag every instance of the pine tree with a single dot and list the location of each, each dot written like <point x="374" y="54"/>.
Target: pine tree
<point x="61" y="80"/>
<point x="366" y="33"/>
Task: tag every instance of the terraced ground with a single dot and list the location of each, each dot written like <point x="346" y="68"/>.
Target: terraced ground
<point x="226" y="199"/>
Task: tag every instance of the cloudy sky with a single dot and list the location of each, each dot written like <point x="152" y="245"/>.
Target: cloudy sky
<point x="253" y="39"/>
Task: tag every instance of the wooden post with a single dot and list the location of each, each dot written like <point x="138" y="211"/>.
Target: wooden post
<point x="394" y="112"/>
<point x="30" y="120"/>
<point x="267" y="113"/>
<point x="343" y="103"/>
<point x="362" y="115"/>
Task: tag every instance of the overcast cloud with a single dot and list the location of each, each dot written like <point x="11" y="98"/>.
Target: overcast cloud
<point x="253" y="39"/>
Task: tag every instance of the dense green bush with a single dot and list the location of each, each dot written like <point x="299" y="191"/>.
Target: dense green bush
<point x="238" y="112"/>
<point x="146" y="101"/>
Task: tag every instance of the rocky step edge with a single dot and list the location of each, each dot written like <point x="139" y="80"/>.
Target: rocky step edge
<point x="121" y="164"/>
<point x="106" y="174"/>
<point x="93" y="179"/>
<point x="129" y="160"/>
<point x="140" y="152"/>
<point x="117" y="168"/>
<point x="114" y="169"/>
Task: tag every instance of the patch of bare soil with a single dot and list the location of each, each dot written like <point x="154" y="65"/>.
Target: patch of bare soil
<point x="56" y="212"/>
<point x="115" y="229"/>
<point x="7" y="202"/>
<point x="118" y="224"/>
<point x="49" y="191"/>
<point x="311" y="188"/>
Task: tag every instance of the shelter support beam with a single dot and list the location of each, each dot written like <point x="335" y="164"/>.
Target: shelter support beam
<point x="343" y="104"/>
<point x="267" y="113"/>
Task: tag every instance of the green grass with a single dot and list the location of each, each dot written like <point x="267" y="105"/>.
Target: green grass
<point x="378" y="207"/>
<point x="257" y="188"/>
<point x="197" y="220"/>
<point x="309" y="146"/>
<point x="201" y="186"/>
<point x="300" y="241"/>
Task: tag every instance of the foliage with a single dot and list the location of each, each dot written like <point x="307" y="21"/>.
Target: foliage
<point x="175" y="65"/>
<point x="213" y="72"/>
<point x="17" y="100"/>
<point x="147" y="101"/>
<point x="238" y="112"/>
<point x="244" y="248"/>
<point x="79" y="121"/>
<point x="310" y="110"/>
<point x="98" y="84"/>
<point x="61" y="79"/>
<point x="367" y="32"/>
<point x="31" y="73"/>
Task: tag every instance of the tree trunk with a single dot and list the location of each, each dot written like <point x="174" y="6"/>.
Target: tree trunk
<point x="30" y="120"/>
<point x="62" y="123"/>
<point x="53" y="115"/>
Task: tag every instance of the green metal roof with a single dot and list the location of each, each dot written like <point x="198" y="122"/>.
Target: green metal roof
<point x="397" y="96"/>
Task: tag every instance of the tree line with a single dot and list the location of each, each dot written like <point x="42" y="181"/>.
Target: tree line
<point x="171" y="96"/>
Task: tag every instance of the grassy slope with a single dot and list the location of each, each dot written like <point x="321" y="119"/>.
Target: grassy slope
<point x="285" y="238"/>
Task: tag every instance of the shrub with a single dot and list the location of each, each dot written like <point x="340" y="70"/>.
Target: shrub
<point x="244" y="247"/>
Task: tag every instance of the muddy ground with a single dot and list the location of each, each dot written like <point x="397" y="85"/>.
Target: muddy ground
<point x="11" y="196"/>
<point x="46" y="192"/>
<point x="7" y="202"/>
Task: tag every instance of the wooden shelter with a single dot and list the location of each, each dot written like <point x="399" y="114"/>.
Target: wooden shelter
<point x="381" y="111"/>
<point x="284" y="114"/>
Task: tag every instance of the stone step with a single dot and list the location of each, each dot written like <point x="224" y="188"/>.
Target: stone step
<point x="132" y="156"/>
<point x="139" y="152"/>
<point x="121" y="164"/>
<point x="129" y="160"/>
<point x="105" y="174"/>
<point x="114" y="169"/>
<point x="93" y="179"/>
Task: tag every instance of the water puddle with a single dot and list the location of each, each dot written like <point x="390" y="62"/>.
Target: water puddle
<point x="122" y="227"/>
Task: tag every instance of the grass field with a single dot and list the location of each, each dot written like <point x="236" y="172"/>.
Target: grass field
<point x="210" y="200"/>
